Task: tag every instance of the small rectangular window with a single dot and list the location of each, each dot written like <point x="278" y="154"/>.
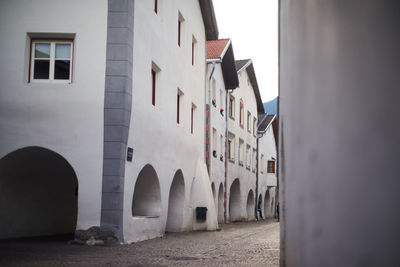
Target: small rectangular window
<point x="231" y="147"/>
<point x="271" y="166"/>
<point x="231" y="106"/>
<point x="153" y="86"/>
<point x="194" y="41"/>
<point x="249" y="121"/>
<point x="262" y="163"/>
<point x="192" y="117"/>
<point x="248" y="157"/>
<point x="180" y="21"/>
<point x="178" y="105"/>
<point x="51" y="60"/>
<point x="254" y="126"/>
<point x="254" y="160"/>
<point x="241" y="114"/>
<point x="241" y="152"/>
<point x="154" y="73"/>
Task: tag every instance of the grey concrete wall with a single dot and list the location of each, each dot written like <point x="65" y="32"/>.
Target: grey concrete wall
<point x="339" y="132"/>
<point x="117" y="110"/>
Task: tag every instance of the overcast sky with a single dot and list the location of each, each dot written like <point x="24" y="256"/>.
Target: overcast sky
<point x="253" y="27"/>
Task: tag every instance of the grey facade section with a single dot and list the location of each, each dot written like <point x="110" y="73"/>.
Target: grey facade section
<point x="339" y="133"/>
<point x="117" y="111"/>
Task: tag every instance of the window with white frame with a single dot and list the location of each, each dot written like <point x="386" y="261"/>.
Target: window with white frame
<point x="248" y="157"/>
<point x="249" y="121"/>
<point x="262" y="163"/>
<point x="255" y="126"/>
<point x="241" y="152"/>
<point x="231" y="106"/>
<point x="231" y="147"/>
<point x="51" y="60"/>
<point x="254" y="160"/>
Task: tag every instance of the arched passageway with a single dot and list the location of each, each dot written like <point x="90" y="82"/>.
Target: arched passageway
<point x="259" y="205"/>
<point x="176" y="203"/>
<point x="220" y="210"/>
<point x="234" y="201"/>
<point x="267" y="203"/>
<point x="146" y="196"/>
<point x="38" y="194"/>
<point x="250" y="205"/>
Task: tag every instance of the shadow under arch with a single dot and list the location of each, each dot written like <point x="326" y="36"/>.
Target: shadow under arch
<point x="220" y="210"/>
<point x="234" y="201"/>
<point x="146" y="201"/>
<point x="176" y="203"/>
<point x="267" y="200"/>
<point x="38" y="194"/>
<point x="250" y="205"/>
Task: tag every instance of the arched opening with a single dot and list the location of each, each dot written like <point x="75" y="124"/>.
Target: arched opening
<point x="267" y="201"/>
<point x="234" y="201"/>
<point x="176" y="203"/>
<point x="146" y="196"/>
<point x="259" y="207"/>
<point x="221" y="204"/>
<point x="250" y="205"/>
<point x="38" y="194"/>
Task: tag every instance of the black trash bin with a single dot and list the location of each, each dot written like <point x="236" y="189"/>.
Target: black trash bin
<point x="201" y="213"/>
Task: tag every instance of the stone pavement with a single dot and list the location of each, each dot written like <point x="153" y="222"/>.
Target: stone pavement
<point x="237" y="244"/>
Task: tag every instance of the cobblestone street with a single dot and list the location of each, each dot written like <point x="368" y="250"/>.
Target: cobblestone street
<point x="237" y="244"/>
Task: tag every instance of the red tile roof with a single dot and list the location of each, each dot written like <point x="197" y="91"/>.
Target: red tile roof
<point x="216" y="47"/>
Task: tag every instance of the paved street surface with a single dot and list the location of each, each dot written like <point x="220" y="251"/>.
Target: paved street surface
<point x="237" y="244"/>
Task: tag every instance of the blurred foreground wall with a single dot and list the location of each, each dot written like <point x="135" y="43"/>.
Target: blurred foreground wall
<point x="340" y="132"/>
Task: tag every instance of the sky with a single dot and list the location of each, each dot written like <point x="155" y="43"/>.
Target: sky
<point x="253" y="27"/>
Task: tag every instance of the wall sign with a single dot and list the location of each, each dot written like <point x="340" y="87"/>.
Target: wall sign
<point x="129" y="155"/>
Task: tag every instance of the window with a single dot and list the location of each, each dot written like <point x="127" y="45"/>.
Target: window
<point x="221" y="146"/>
<point x="249" y="121"/>
<point x="231" y="147"/>
<point x="154" y="73"/>
<point x="241" y="114"/>
<point x="194" y="41"/>
<point x="178" y="105"/>
<point x="214" y="142"/>
<point x="156" y="6"/>
<point x="192" y="117"/>
<point x="241" y="152"/>
<point x="180" y="22"/>
<point x="262" y="163"/>
<point x="214" y="87"/>
<point x="51" y="61"/>
<point x="248" y="157"/>
<point x="231" y="106"/>
<point x="271" y="166"/>
<point x="254" y="159"/>
<point x="254" y="126"/>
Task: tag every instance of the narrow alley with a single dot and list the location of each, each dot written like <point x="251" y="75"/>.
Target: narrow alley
<point x="236" y="244"/>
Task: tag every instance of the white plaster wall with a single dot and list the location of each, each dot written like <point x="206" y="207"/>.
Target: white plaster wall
<point x="267" y="181"/>
<point x="218" y="122"/>
<point x="247" y="177"/>
<point x="155" y="136"/>
<point x="65" y="118"/>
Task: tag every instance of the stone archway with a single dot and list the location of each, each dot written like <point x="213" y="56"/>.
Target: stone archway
<point x="176" y="203"/>
<point x="38" y="194"/>
<point x="250" y="205"/>
<point x="146" y="200"/>
<point x="234" y="201"/>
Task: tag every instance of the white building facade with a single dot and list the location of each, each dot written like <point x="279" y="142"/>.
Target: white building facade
<point x="267" y="165"/>
<point x="243" y="106"/>
<point x="102" y="118"/>
<point x="221" y="76"/>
